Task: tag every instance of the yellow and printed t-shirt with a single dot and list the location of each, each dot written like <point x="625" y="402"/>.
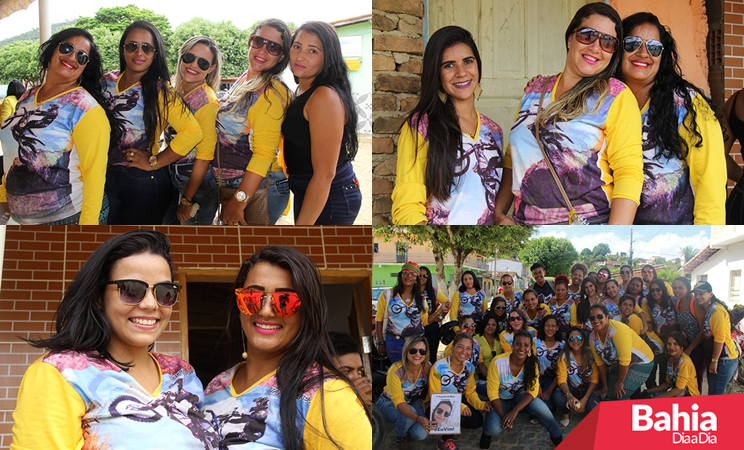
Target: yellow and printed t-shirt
<point x="464" y="304"/>
<point x="614" y="309"/>
<point x="574" y="312"/>
<point x="250" y="419"/>
<point x="203" y="104"/>
<point x="547" y="358"/>
<point x="691" y="190"/>
<point x="574" y="375"/>
<point x="478" y="173"/>
<point x="476" y="357"/>
<point x="684" y="376"/>
<point x="400" y="391"/>
<point x="442" y="379"/>
<point x="432" y="304"/>
<point x="7" y="107"/>
<point x="622" y="347"/>
<point x="403" y="318"/>
<point x="636" y="324"/>
<point x="488" y="352"/>
<point x="717" y="328"/>
<point x="562" y="312"/>
<point x="542" y="311"/>
<point x="597" y="157"/>
<point x="55" y="158"/>
<point x="503" y="385"/>
<point x="506" y="339"/>
<point x="75" y="400"/>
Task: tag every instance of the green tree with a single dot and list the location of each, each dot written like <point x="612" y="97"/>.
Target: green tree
<point x="556" y="254"/>
<point x="689" y="251"/>
<point x="600" y="251"/>
<point x="233" y="43"/>
<point x="291" y="25"/>
<point x="108" y="46"/>
<point x="20" y="60"/>
<point x="118" y="18"/>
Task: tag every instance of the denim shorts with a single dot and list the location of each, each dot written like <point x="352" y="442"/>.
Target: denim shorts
<point x="205" y="196"/>
<point x="344" y="198"/>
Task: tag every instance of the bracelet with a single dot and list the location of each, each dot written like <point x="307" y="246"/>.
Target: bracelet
<point x="379" y="343"/>
<point x="714" y="360"/>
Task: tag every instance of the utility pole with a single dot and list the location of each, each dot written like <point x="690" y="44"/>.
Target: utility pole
<point x="630" y="257"/>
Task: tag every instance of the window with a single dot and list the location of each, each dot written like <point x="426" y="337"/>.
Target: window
<point x="376" y="248"/>
<point x="401" y="252"/>
<point x="735" y="286"/>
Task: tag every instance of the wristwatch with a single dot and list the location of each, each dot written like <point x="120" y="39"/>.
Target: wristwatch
<point x="185" y="202"/>
<point x="241" y="196"/>
<point x="379" y="343"/>
<point x="153" y="160"/>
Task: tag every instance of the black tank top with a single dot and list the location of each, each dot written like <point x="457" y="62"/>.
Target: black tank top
<point x="296" y="131"/>
<point x="736" y="125"/>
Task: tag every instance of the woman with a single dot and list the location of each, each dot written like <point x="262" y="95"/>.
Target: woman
<point x="437" y="306"/>
<point x="517" y="321"/>
<point x="8" y="105"/>
<point x="99" y="379"/>
<point x="626" y="273"/>
<point x="577" y="375"/>
<point x="54" y="166"/>
<point x="720" y="349"/>
<point x="138" y="184"/>
<point x="319" y="130"/>
<point x="603" y="275"/>
<point x="583" y="110"/>
<point x="648" y="274"/>
<point x="513" y="296"/>
<point x="580" y="309"/>
<point x="549" y="343"/>
<point x="683" y="160"/>
<point x="635" y="289"/>
<point x="469" y="298"/>
<point x="681" y="379"/>
<point x="611" y="298"/>
<point x="660" y="309"/>
<point x="467" y="326"/>
<point x="406" y="388"/>
<point x="249" y="130"/>
<point x="632" y="319"/>
<point x="197" y="78"/>
<point x="624" y="359"/>
<point x="533" y="311"/>
<point x="509" y="394"/>
<point x="402" y="311"/>
<point x="450" y="157"/>
<point x="733" y="111"/>
<point x="499" y="309"/>
<point x="560" y="304"/>
<point x="578" y="273"/>
<point x="690" y="317"/>
<point x="287" y="393"/>
<point x="456" y="374"/>
<point x="487" y="336"/>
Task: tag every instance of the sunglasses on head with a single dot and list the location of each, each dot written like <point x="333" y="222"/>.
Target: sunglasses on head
<point x="250" y="301"/>
<point x="633" y="43"/>
<point x="575" y="338"/>
<point x="132" y="292"/>
<point x="507" y="283"/>
<point x="442" y="412"/>
<point x="599" y="316"/>
<point x="514" y="318"/>
<point x="499" y="307"/>
<point x="272" y="47"/>
<point x="203" y="64"/>
<point x="413" y="351"/>
<point x="654" y="290"/>
<point x="588" y="35"/>
<point x="131" y="47"/>
<point x="65" y="48"/>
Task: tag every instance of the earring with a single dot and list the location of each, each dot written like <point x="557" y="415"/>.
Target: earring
<point x="443" y="96"/>
<point x="478" y="91"/>
<point x="245" y="353"/>
<point x="528" y="354"/>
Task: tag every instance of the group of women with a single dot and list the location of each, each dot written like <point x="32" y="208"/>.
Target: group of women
<point x="99" y="385"/>
<point x="618" y="137"/>
<point x="605" y="341"/>
<point x="85" y="147"/>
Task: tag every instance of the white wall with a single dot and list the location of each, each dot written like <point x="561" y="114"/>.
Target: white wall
<point x="718" y="269"/>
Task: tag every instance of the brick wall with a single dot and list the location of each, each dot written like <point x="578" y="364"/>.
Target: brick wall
<point x="41" y="261"/>
<point x="733" y="31"/>
<point x="397" y="46"/>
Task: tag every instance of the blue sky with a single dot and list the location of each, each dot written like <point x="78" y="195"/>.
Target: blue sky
<point x="664" y="241"/>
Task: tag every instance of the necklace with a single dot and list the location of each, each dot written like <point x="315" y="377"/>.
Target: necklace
<point x="68" y="86"/>
<point x="640" y="105"/>
<point x="467" y="130"/>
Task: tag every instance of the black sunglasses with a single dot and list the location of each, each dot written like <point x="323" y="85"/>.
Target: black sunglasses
<point x="507" y="283"/>
<point x="272" y="47"/>
<point x="421" y="351"/>
<point x="599" y="316"/>
<point x="499" y="307"/>
<point x="633" y="43"/>
<point x="131" y="47"/>
<point x="203" y="64"/>
<point x="575" y="338"/>
<point x="441" y="411"/>
<point x="65" y="48"/>
<point x="625" y="272"/>
<point x="588" y="35"/>
<point x="654" y="290"/>
<point x="133" y="292"/>
<point x="514" y="318"/>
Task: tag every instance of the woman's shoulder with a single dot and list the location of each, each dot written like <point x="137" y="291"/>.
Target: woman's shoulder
<point x="221" y="382"/>
<point x="490" y="124"/>
<point x="537" y="84"/>
<point x="78" y="360"/>
<point x="617" y="86"/>
<point x="112" y="76"/>
<point x="172" y="365"/>
<point x="395" y="367"/>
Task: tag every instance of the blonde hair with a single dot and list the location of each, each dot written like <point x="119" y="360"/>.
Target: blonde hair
<point x="214" y="77"/>
<point x="574" y="103"/>
<point x="410" y="342"/>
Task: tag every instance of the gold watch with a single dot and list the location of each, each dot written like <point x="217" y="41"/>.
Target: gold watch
<point x="153" y="160"/>
<point x="241" y="196"/>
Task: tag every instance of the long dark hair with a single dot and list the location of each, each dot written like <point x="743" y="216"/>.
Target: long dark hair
<point x="335" y="74"/>
<point x="16" y="88"/>
<point x="476" y="283"/>
<point x="530" y="364"/>
<point x="311" y="347"/>
<point x="582" y="309"/>
<point x="521" y="314"/>
<point x="443" y="134"/>
<point x="154" y="81"/>
<point x="481" y="327"/>
<point x="429" y="288"/>
<point x="686" y="282"/>
<point x="587" y="358"/>
<point x="90" y="79"/>
<point x="503" y="320"/>
<point x="398" y="290"/>
<point x="664" y="303"/>
<point x="663" y="131"/>
<point x="541" y="328"/>
<point x="80" y="320"/>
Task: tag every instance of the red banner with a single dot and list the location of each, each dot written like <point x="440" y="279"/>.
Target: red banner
<point x="669" y="423"/>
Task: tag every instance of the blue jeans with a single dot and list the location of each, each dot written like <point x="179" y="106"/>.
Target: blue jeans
<point x="537" y="408"/>
<point x="278" y="192"/>
<point x="559" y="399"/>
<point x="717" y="381"/>
<point x="545" y="383"/>
<point x="344" y="198"/>
<point x="403" y="425"/>
<point x="394" y="347"/>
<point x="137" y="197"/>
<point x="205" y="196"/>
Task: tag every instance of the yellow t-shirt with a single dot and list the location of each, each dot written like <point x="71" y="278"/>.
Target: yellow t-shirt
<point x="502" y="384"/>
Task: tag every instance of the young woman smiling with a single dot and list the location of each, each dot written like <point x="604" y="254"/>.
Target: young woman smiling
<point x="560" y="304"/>
<point x="513" y="296"/>
<point x="578" y="376"/>
<point x="690" y="318"/>
<point x="580" y="309"/>
<point x="681" y="379"/>
<point x="517" y="321"/>
<point x="533" y="311"/>
<point x="548" y="345"/>
<point x="469" y="299"/>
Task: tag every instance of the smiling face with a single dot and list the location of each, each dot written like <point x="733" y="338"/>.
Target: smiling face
<point x="597" y="323"/>
<point x="639" y="67"/>
<point x="627" y="307"/>
<point x="260" y="59"/>
<point x="467" y="281"/>
<point x="462" y="351"/>
<point x="530" y="301"/>
<point x="442" y="413"/>
<point x="135" y="327"/>
<point x="673" y="347"/>
<point x="193" y="74"/>
<point x="577" y="276"/>
<point x="423" y="278"/>
<point x="539" y="275"/>
<point x="590" y="289"/>
<point x="578" y="340"/>
<point x="586" y="60"/>
<point x="409" y="278"/>
<point x="521" y="347"/>
<point x="654" y="290"/>
<point x="66" y="67"/>
<point x="459" y="72"/>
<point x="561" y="291"/>
<point x="507" y="284"/>
<point x="491" y="327"/>
<point x="306" y="56"/>
<point x="468" y="326"/>
<point x="417" y="358"/>
<point x="516" y="321"/>
<point x="647" y="273"/>
<point x="550" y="327"/>
<point x="611" y="289"/>
<point x="138" y="62"/>
<point x="603" y="275"/>
<point x="702" y="298"/>
<point x="499" y="311"/>
<point x="625" y="274"/>
<point x="680" y="289"/>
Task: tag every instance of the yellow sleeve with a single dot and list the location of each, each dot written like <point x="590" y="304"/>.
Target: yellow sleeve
<point x="624" y="154"/>
<point x="409" y="194"/>
<point x="623" y="341"/>
<point x="340" y="418"/>
<point x="455" y="300"/>
<point x="425" y="315"/>
<point x="504" y="345"/>
<point x="707" y="165"/>
<point x="381" y="307"/>
<point x="472" y="396"/>
<point x="670" y="291"/>
<point x="561" y="371"/>
<point x="594" y="377"/>
<point x="265" y="119"/>
<point x="646" y="311"/>
<point x="435" y="384"/>
<point x="574" y="321"/>
<point x="7" y="108"/>
<point x="188" y="131"/>
<point x="635" y="323"/>
<point x="687" y="376"/>
<point x="720" y="328"/>
<point x="536" y="385"/>
<point x="493" y="381"/>
<point x="49" y="411"/>
<point x="91" y="136"/>
<point x="637" y="309"/>
<point x="207" y="118"/>
<point x="394" y="386"/>
<point x="545" y="307"/>
<point x="447" y="350"/>
<point x="597" y="360"/>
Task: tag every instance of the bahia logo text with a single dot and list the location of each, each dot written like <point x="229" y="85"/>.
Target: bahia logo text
<point x="686" y="427"/>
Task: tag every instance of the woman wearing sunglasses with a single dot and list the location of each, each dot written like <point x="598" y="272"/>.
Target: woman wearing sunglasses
<point x="499" y="310"/>
<point x="578" y="376"/>
<point x="286" y="391"/>
<point x="661" y="314"/>
<point x="138" y="183"/>
<point x="450" y="157"/>
<point x="626" y="273"/>
<point x="683" y="157"/>
<point x="197" y="78"/>
<point x="438" y="307"/>
<point x="249" y="128"/>
<point x="624" y="359"/>
<point x="517" y="321"/>
<point x="405" y="391"/>
<point x="469" y="299"/>
<point x="513" y="296"/>
<point x="588" y="135"/>
<point x="54" y="166"/>
<point x="100" y="383"/>
<point x="467" y="326"/>
<point x="320" y="139"/>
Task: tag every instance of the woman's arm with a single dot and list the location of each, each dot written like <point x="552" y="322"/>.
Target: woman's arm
<point x="339" y="418"/>
<point x="733" y="170"/>
<point x="409" y="194"/>
<point x="91" y="135"/>
<point x="504" y="199"/>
